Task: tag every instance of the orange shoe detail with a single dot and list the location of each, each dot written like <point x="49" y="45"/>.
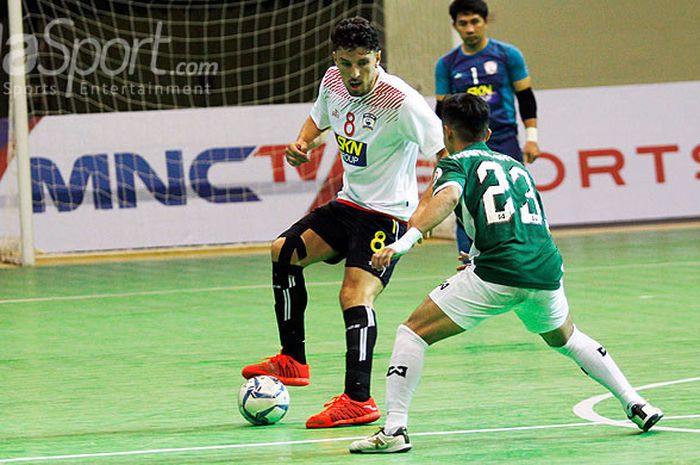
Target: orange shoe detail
<point x="282" y="367"/>
<point x="342" y="410"/>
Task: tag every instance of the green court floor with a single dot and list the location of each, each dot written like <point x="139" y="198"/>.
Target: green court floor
<point x="139" y="363"/>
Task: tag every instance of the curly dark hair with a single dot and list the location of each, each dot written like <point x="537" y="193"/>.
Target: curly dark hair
<point x="352" y="33"/>
<point x="476" y="7"/>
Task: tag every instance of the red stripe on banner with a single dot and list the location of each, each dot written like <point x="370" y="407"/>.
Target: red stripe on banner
<point x="5" y="146"/>
<point x="331" y="186"/>
<point x="3" y="160"/>
<point x="307" y="171"/>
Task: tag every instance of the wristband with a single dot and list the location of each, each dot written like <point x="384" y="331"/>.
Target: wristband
<point x="531" y="134"/>
<point x="407" y="241"/>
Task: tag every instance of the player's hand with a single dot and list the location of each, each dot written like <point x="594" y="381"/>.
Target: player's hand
<point x="296" y="153"/>
<point x="531" y="151"/>
<point x="464" y="257"/>
<point x="382" y="259"/>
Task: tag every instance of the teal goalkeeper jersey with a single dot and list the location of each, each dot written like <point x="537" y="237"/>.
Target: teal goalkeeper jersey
<point x="501" y="210"/>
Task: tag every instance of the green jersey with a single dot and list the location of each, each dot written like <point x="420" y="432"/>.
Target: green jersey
<point x="501" y="211"/>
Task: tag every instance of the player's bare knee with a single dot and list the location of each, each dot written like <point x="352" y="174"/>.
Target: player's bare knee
<point x="554" y="341"/>
<point x="560" y="336"/>
<point x="352" y="296"/>
<point x="414" y="322"/>
<point x="419" y="328"/>
<point x="276" y="248"/>
<point x="358" y="292"/>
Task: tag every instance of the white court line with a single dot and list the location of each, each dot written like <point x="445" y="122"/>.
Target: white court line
<point x="193" y="290"/>
<point x="280" y="443"/>
<point x="584" y="409"/>
<point x="197" y="290"/>
<point x="176" y="450"/>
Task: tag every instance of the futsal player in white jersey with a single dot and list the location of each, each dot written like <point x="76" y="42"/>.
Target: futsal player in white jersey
<point x="381" y="125"/>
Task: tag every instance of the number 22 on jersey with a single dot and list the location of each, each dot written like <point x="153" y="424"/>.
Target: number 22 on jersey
<point x="526" y="205"/>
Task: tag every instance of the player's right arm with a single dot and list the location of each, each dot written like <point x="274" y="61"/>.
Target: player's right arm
<point x="438" y="208"/>
<point x="309" y="138"/>
<point x="311" y="135"/>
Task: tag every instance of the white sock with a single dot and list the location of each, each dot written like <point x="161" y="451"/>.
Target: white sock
<point x="403" y="377"/>
<point x="599" y="365"/>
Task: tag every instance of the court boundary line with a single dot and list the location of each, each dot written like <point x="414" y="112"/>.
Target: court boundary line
<point x="309" y="284"/>
<point x="585" y="409"/>
<point x="282" y="443"/>
<point x="179" y="450"/>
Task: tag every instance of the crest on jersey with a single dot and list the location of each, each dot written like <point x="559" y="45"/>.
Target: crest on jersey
<point x="491" y="67"/>
<point x="335" y="113"/>
<point x="368" y="121"/>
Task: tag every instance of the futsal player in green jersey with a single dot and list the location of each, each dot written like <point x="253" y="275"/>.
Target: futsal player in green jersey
<point x="516" y="266"/>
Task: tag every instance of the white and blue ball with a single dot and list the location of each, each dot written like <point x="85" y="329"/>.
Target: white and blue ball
<point x="263" y="400"/>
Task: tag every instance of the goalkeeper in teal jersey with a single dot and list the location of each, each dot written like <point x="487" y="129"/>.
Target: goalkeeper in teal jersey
<point x="516" y="266"/>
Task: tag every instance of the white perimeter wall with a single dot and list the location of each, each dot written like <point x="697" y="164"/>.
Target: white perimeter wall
<point x="612" y="154"/>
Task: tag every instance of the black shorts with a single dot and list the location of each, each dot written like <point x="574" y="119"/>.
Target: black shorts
<point x="354" y="233"/>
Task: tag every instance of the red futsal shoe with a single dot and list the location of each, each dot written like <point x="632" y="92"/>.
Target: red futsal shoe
<point x="342" y="410"/>
<point x="282" y="367"/>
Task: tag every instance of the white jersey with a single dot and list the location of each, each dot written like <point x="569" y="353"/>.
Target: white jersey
<point x="379" y="135"/>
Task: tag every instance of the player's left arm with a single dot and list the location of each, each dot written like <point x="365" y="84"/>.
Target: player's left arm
<point x="436" y="210"/>
<point x="522" y="86"/>
<point x="528" y="112"/>
<point x="442" y="85"/>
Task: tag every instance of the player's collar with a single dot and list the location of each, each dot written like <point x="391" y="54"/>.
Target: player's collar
<point x="461" y="49"/>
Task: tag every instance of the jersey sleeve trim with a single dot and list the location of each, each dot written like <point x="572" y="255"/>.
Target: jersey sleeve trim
<point x="313" y="118"/>
<point x="448" y="184"/>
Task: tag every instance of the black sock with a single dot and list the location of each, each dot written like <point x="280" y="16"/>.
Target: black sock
<point x="360" y="337"/>
<point x="290" y="303"/>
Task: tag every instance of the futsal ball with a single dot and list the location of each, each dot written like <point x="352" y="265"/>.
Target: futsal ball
<point x="263" y="400"/>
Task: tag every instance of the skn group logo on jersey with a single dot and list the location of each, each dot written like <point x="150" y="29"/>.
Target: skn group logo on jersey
<point x="352" y="151"/>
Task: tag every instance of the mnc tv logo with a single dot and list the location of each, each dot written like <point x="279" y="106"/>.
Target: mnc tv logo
<point x="118" y="178"/>
<point x="352" y="151"/>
